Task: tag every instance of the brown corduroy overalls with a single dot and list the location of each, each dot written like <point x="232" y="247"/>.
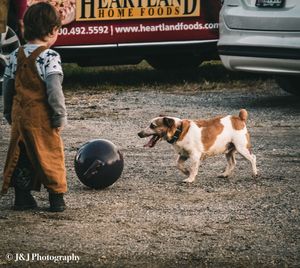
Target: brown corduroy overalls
<point x="31" y="125"/>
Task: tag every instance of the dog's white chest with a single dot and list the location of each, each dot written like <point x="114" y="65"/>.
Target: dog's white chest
<point x="190" y="143"/>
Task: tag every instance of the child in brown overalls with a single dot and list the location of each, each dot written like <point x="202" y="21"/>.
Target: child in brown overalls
<point x="34" y="105"/>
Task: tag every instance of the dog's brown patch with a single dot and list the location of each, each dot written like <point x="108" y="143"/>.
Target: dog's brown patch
<point x="171" y="131"/>
<point x="185" y="128"/>
<point x="237" y="122"/>
<point x="211" y="129"/>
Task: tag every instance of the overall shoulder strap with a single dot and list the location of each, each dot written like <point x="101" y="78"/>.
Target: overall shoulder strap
<point x="37" y="52"/>
<point x="21" y="55"/>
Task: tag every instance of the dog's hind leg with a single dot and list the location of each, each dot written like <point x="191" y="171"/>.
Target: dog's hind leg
<point x="231" y="162"/>
<point x="251" y="157"/>
<point x="180" y="164"/>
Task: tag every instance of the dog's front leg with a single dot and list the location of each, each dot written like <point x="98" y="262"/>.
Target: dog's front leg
<point x="180" y="164"/>
<point x="195" y="161"/>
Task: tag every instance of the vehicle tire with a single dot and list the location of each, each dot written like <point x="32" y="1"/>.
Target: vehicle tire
<point x="290" y="84"/>
<point x="174" y="62"/>
<point x="2" y="67"/>
<point x="9" y="41"/>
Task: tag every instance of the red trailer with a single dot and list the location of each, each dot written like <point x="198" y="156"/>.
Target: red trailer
<point x="166" y="33"/>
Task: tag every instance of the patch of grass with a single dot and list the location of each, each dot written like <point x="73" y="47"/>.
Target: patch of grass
<point x="209" y="76"/>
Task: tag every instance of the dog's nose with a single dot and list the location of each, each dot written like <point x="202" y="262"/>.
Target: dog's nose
<point x="140" y="134"/>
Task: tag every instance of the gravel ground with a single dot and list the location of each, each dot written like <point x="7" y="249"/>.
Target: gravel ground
<point x="148" y="218"/>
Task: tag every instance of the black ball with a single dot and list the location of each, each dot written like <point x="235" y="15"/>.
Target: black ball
<point x="98" y="163"/>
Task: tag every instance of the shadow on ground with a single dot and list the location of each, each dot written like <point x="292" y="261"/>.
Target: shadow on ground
<point x="144" y="75"/>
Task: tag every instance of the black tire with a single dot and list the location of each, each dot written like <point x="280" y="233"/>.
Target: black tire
<point x="290" y="84"/>
<point x="2" y="67"/>
<point x="174" y="62"/>
<point x="10" y="42"/>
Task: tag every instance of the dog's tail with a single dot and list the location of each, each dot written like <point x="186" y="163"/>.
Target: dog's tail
<point x="243" y="114"/>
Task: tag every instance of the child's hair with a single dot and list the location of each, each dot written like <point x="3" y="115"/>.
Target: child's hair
<point x="39" y="20"/>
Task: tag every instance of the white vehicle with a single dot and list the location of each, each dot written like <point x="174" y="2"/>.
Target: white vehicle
<point x="262" y="36"/>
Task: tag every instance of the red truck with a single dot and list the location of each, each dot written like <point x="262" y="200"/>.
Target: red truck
<point x="166" y="33"/>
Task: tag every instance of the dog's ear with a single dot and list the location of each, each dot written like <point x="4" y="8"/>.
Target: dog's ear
<point x="169" y="122"/>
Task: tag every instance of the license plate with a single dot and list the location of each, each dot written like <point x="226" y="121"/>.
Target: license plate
<point x="269" y="3"/>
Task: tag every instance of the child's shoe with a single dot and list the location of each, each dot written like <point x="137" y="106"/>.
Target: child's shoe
<point x="23" y="200"/>
<point x="57" y="202"/>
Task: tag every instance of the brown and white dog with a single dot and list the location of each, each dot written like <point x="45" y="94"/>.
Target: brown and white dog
<point x="198" y="139"/>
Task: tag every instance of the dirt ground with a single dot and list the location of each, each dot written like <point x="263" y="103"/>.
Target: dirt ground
<point x="148" y="218"/>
